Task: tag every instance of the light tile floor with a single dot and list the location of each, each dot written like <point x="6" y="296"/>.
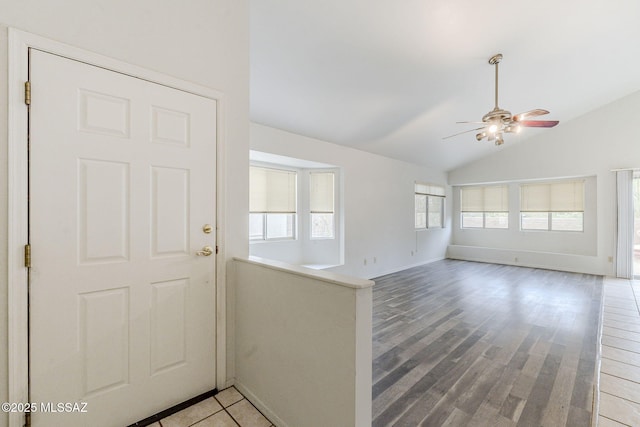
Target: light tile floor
<point x="228" y="408"/>
<point x="620" y="365"/>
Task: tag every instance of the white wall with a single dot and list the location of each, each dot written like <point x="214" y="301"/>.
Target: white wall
<point x="590" y="145"/>
<point x="378" y="203"/>
<point x="304" y="344"/>
<point x="202" y="41"/>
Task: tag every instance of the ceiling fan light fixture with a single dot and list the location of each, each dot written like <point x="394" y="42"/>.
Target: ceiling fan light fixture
<point x="499" y="121"/>
<point x="513" y="128"/>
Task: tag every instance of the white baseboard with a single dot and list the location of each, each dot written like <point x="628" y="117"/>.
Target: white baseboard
<point x="406" y="267"/>
<point x="545" y="260"/>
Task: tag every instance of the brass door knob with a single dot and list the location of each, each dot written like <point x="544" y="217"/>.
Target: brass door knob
<point x="206" y="251"/>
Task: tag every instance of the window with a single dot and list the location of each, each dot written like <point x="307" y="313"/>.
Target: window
<point x="272" y="203"/>
<point x="557" y="206"/>
<point x="429" y="206"/>
<point x="484" y="207"/>
<point x="321" y="204"/>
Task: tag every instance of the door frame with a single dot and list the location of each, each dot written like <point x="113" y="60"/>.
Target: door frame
<point x="18" y="312"/>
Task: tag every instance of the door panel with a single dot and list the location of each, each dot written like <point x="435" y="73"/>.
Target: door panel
<point x="104" y="330"/>
<point x="103" y="211"/>
<point x="170" y="212"/>
<point x="122" y="179"/>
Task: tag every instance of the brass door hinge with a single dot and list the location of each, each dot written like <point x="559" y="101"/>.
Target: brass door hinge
<point x="27" y="256"/>
<point x="216" y="249"/>
<point x="27" y="92"/>
<point x="27" y="419"/>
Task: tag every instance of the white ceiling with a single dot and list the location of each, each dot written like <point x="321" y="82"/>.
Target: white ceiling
<point x="393" y="76"/>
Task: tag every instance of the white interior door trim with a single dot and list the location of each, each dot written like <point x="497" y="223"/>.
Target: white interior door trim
<point x="19" y="44"/>
<point x="17" y="233"/>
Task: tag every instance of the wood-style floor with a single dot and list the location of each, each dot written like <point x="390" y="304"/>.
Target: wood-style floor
<point x="459" y="343"/>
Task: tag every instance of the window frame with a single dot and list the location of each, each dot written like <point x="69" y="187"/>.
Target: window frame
<point x="550" y="223"/>
<point x="426" y="190"/>
<point x="265" y="214"/>
<point x="327" y="212"/>
<point x="484" y="212"/>
<point x="484" y="220"/>
<point x="265" y="228"/>
<point x="549" y="213"/>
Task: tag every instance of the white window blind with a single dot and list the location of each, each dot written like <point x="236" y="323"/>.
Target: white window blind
<point x="429" y="189"/>
<point x="272" y="190"/>
<point x="494" y="198"/>
<point x="321" y="192"/>
<point x="566" y="196"/>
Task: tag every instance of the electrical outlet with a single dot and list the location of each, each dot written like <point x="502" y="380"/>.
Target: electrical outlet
<point x="411" y="253"/>
<point x="610" y="259"/>
<point x="365" y="261"/>
<point x="516" y="259"/>
<point x="375" y="260"/>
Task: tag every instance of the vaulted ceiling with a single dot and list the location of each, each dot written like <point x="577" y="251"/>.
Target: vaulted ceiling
<point x="393" y="77"/>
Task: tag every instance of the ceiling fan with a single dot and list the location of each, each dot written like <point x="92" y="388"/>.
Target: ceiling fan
<point x="498" y="121"/>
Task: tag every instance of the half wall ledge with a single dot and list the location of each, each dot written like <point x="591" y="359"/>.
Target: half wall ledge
<point x="312" y="273"/>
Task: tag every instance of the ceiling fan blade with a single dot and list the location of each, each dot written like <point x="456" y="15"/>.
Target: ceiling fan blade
<point x="539" y="123"/>
<point x="531" y="113"/>
<point x="479" y="123"/>
<point x="460" y="133"/>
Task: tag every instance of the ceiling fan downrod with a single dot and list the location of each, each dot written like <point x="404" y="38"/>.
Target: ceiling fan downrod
<point x="497" y="116"/>
<point x="495" y="60"/>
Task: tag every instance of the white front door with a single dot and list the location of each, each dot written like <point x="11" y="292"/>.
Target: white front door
<point x="121" y="182"/>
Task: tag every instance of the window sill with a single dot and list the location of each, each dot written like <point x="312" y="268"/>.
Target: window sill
<point x="320" y="266"/>
<point x="251" y="242"/>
